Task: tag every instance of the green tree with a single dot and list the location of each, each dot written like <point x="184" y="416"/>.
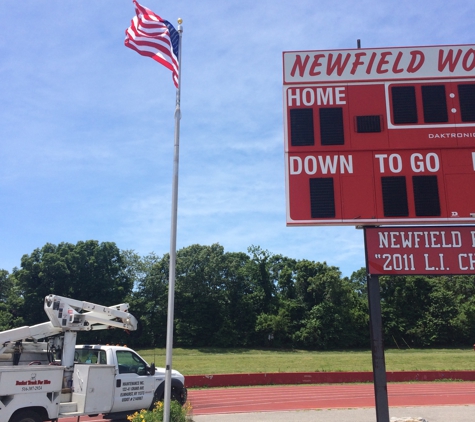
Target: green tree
<point x="449" y="315"/>
<point x="10" y="302"/>
<point x="358" y="280"/>
<point x="212" y="299"/>
<point x="463" y="288"/>
<point x="259" y="272"/>
<point x="149" y="299"/>
<point x="335" y="316"/>
<point x="215" y="298"/>
<point x="274" y="296"/>
<point x="424" y="311"/>
<point x="278" y="325"/>
<point x="89" y="271"/>
<point x="239" y="313"/>
<point x="199" y="295"/>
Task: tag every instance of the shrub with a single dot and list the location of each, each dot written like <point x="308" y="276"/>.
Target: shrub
<point x="177" y="413"/>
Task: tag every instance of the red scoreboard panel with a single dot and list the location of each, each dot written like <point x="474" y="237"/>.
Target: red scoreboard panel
<point x="380" y="136"/>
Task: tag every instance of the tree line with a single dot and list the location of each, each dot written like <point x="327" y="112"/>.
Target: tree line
<point x="238" y="299"/>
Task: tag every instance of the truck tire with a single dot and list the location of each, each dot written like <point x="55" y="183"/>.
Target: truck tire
<point x="178" y="394"/>
<point x="26" y="416"/>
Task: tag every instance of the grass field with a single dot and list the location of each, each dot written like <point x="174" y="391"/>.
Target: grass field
<point x="228" y="361"/>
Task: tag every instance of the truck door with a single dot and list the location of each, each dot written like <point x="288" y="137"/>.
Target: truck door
<point x="134" y="386"/>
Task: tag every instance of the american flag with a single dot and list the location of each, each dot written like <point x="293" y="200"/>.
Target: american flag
<point x="152" y="36"/>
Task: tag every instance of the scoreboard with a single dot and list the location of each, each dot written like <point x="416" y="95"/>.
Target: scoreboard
<point x="380" y="136"/>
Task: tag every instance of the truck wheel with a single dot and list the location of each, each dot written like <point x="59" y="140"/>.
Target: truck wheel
<point x="178" y="395"/>
<point x="156" y="398"/>
<point x="26" y="416"/>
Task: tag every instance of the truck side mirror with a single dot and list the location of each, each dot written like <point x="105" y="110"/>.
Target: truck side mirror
<point x="152" y="369"/>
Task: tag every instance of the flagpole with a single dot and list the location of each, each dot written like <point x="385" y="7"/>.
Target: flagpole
<point x="171" y="276"/>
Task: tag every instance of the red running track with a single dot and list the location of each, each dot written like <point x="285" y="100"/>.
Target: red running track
<point x="330" y="396"/>
<point x="305" y="397"/>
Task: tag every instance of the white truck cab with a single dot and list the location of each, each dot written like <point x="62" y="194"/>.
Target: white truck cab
<point x="137" y="385"/>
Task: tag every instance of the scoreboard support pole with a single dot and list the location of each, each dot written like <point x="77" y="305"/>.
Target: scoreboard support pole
<point x="377" y="349"/>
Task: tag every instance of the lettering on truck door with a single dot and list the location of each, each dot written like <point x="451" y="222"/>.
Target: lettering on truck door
<point x="134" y="386"/>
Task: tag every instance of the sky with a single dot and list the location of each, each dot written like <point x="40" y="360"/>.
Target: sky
<point x="87" y="125"/>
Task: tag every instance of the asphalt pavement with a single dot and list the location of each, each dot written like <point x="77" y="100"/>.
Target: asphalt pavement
<point x="429" y="413"/>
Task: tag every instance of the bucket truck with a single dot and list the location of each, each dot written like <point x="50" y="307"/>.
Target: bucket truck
<point x="55" y="378"/>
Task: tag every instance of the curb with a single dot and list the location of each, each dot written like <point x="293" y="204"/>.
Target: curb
<point x="241" y="380"/>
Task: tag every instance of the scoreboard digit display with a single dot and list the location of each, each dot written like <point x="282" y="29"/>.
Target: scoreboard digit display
<point x="380" y="136"/>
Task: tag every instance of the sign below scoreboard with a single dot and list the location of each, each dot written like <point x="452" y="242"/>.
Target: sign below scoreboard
<point x="380" y="136"/>
<point x="440" y="250"/>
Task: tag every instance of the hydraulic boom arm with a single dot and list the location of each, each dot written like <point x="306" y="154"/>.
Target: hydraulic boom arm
<point x="70" y="315"/>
